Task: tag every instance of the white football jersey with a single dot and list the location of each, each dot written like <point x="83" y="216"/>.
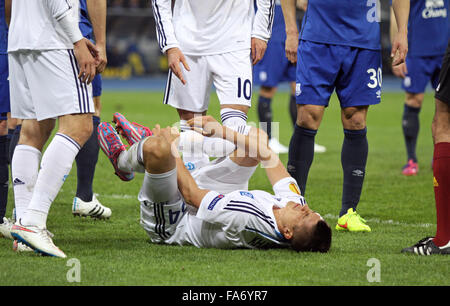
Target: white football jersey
<point x="206" y="27"/>
<point x="34" y="24"/>
<point x="240" y="219"/>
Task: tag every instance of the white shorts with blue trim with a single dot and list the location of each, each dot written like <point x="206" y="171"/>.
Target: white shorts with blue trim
<point x="230" y="73"/>
<point x="45" y="84"/>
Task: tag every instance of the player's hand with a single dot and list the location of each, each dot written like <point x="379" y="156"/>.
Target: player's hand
<point x="259" y="47"/>
<point x="207" y="126"/>
<point x="399" y="48"/>
<point x="400" y="70"/>
<point x="291" y="47"/>
<point x="102" y="58"/>
<point x="175" y="57"/>
<point x="171" y="135"/>
<point x="86" y="54"/>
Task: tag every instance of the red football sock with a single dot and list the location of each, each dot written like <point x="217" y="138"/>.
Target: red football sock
<point x="441" y="171"/>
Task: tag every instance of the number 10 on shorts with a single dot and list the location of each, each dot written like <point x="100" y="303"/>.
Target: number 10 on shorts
<point x="244" y="88"/>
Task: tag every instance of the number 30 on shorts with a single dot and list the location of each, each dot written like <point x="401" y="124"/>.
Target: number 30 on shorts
<point x="375" y="77"/>
<point x="244" y="88"/>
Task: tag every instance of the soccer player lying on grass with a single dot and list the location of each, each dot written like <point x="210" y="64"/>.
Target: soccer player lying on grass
<point x="221" y="213"/>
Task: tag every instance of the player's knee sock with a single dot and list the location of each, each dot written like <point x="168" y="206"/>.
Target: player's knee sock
<point x="265" y="114"/>
<point x="24" y="171"/>
<point x="410" y="126"/>
<point x="301" y="155"/>
<point x="293" y="109"/>
<point x="233" y="118"/>
<point x="4" y="175"/>
<point x="86" y="161"/>
<point x="8" y="144"/>
<point x="191" y="147"/>
<point x="353" y="158"/>
<point x="55" y="167"/>
<point x="441" y="172"/>
<point x="132" y="160"/>
<point x="14" y="140"/>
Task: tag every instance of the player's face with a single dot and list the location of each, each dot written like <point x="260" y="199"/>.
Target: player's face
<point x="299" y="215"/>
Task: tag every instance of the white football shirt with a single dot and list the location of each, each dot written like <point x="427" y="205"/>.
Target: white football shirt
<point x="200" y="27"/>
<point x="240" y="219"/>
<point x="34" y="24"/>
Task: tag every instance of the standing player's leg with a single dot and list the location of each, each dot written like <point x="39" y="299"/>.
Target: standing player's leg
<point x="358" y="87"/>
<point x="85" y="202"/>
<point x="190" y="99"/>
<point x="26" y="160"/>
<point x="233" y="79"/>
<point x="354" y="153"/>
<point x="411" y="125"/>
<point x="72" y="104"/>
<point x="5" y="224"/>
<point x="301" y="147"/>
<point x="268" y="73"/>
<point x="14" y="127"/>
<point x="440" y="244"/>
<point x="317" y="64"/>
<point x="441" y="171"/>
<point x="420" y="70"/>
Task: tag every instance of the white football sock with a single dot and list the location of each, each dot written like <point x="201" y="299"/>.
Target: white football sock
<point x="56" y="164"/>
<point x="24" y="172"/>
<point x="235" y="120"/>
<point x="132" y="160"/>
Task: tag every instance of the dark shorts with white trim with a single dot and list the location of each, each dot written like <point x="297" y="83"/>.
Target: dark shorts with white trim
<point x="443" y="88"/>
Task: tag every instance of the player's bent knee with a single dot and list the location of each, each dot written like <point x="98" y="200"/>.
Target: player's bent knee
<point x="157" y="155"/>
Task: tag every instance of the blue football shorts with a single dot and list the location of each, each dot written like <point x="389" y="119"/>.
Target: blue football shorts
<point x="97" y="86"/>
<point x="354" y="73"/>
<point x="274" y="68"/>
<point x="421" y="70"/>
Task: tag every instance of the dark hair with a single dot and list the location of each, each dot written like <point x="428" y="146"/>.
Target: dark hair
<point x="316" y="239"/>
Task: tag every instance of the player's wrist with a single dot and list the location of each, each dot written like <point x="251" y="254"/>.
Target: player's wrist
<point x="292" y="32"/>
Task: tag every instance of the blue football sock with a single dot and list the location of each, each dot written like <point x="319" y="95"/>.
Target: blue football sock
<point x="411" y="127"/>
<point x="13" y="142"/>
<point x="265" y="114"/>
<point x="293" y="109"/>
<point x="86" y="162"/>
<point x="4" y="175"/>
<point x="301" y="155"/>
<point x="353" y="158"/>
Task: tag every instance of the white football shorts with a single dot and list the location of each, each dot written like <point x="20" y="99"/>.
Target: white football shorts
<point x="230" y="73"/>
<point x="162" y="205"/>
<point x="45" y="84"/>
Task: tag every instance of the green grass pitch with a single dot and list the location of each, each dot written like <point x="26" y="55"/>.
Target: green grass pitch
<point x="399" y="209"/>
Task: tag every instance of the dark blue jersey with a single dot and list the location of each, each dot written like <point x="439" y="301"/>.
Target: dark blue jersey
<point x="3" y="29"/>
<point x="352" y="23"/>
<point x="428" y="27"/>
<point x="85" y="23"/>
